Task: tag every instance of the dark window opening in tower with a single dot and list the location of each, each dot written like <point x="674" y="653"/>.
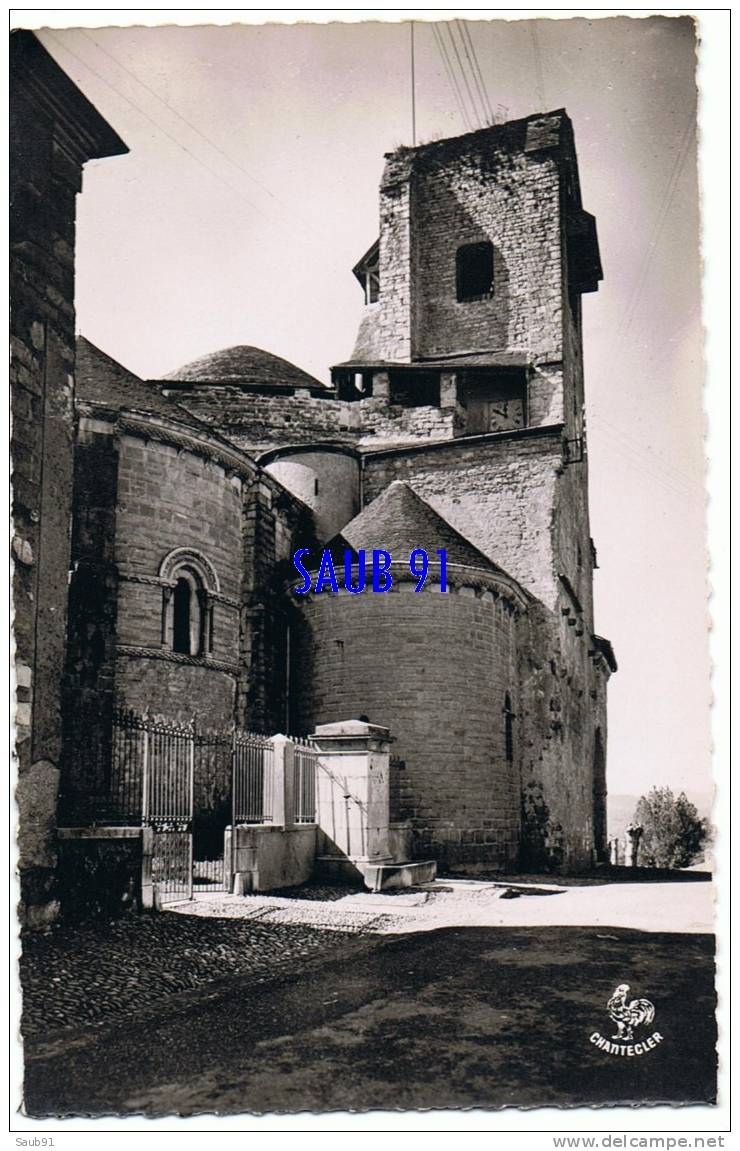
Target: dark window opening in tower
<point x="182" y="605"/>
<point x="474" y="271"/>
<point x="352" y="385"/>
<point x="414" y="389"/>
<point x="362" y="382"/>
<point x="509" y="718"/>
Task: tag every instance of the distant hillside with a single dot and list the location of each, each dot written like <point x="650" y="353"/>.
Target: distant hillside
<point x="621" y="808"/>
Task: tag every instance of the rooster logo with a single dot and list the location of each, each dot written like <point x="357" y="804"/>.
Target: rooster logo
<point x="626" y="1015"/>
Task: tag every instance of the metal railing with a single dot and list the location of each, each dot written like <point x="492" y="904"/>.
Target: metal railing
<point x="305" y="760"/>
<point x="153" y="770"/>
<point x="168" y="754"/>
<point x="253" y="769"/>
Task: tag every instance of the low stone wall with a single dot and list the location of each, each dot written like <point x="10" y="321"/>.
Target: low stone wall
<point x="266" y="858"/>
<point x="99" y="872"/>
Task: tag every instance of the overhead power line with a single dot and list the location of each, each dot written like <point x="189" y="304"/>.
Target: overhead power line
<point x="451" y="76"/>
<point x="464" y="74"/>
<point x="651" y="247"/>
<point x="480" y="84"/>
<point x="539" y="81"/>
<point x="207" y="139"/>
<point x="178" y="143"/>
<point x="291" y="216"/>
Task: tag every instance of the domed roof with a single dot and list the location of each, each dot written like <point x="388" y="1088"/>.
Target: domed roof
<point x="244" y="364"/>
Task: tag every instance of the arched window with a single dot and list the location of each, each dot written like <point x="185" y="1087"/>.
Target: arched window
<point x="187" y="602"/>
<point x="509" y="718"/>
<point x="181" y="616"/>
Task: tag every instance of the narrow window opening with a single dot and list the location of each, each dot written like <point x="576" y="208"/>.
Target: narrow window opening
<point x="474" y="271"/>
<point x="187" y="606"/>
<point x="509" y="718"/>
<point x="372" y="285"/>
<point x="181" y="617"/>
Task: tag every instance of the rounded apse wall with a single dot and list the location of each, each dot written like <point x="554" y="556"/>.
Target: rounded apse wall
<point x="327" y="481"/>
<point x="436" y="669"/>
<point x="173" y="502"/>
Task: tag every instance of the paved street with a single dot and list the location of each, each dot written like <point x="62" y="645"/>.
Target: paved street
<point x="446" y="1017"/>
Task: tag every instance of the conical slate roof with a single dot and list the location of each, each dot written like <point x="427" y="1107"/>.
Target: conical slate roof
<point x="102" y="380"/>
<point x="244" y="364"/>
<point x="399" y="520"/>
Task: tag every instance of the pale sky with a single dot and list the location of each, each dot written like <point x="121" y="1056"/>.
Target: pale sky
<point x="251" y="188"/>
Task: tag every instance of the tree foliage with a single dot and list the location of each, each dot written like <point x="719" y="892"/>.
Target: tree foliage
<point x="673" y="833"/>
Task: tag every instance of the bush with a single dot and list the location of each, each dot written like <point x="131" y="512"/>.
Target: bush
<point x="673" y="833"/>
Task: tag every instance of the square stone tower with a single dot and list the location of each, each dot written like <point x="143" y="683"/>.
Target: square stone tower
<point x="473" y="306"/>
<point x="471" y="338"/>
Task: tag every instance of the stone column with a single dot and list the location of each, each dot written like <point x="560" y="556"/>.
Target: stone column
<point x="352" y="797"/>
<point x="283" y="803"/>
<point x="381" y="386"/>
<point x="448" y="390"/>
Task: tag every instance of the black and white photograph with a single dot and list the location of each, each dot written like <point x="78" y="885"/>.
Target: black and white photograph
<point x="362" y="690"/>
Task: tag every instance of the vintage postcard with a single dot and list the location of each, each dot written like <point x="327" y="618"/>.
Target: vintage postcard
<point x="360" y="589"/>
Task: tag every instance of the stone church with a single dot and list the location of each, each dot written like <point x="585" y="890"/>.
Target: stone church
<point x="457" y="424"/>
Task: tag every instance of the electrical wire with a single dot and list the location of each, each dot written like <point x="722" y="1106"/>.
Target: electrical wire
<point x="464" y="74"/>
<point x="178" y="143"/>
<point x="464" y="35"/>
<point x="451" y="76"/>
<point x="180" y="116"/>
<point x="650" y="250"/>
<point x="539" y="81"/>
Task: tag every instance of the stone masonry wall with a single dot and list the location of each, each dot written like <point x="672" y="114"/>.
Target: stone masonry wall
<point x="486" y="187"/>
<point x="171" y="498"/>
<point x="387" y="332"/>
<point x="498" y="494"/>
<point x="327" y="482"/>
<point x="137" y="498"/>
<point x="89" y="681"/>
<point x="442" y="695"/>
<point x="564" y="698"/>
<point x="381" y="422"/>
<point x="256" y="423"/>
<point x="41" y="378"/>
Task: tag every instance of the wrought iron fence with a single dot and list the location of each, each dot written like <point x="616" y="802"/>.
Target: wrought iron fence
<point x="305" y="760"/>
<point x="169" y="751"/>
<point x="128" y="756"/>
<point x="254" y="763"/>
<point x="153" y="770"/>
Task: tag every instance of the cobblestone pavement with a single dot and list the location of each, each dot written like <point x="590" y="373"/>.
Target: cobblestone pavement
<point x="86" y="976"/>
<point x="76" y="977"/>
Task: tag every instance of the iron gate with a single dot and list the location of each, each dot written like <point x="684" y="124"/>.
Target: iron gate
<point x="187" y="786"/>
<point x="168" y="760"/>
<point x="212" y="809"/>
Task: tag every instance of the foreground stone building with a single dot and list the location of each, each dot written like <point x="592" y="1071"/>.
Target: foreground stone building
<point x="54" y="131"/>
<point x="458" y="423"/>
